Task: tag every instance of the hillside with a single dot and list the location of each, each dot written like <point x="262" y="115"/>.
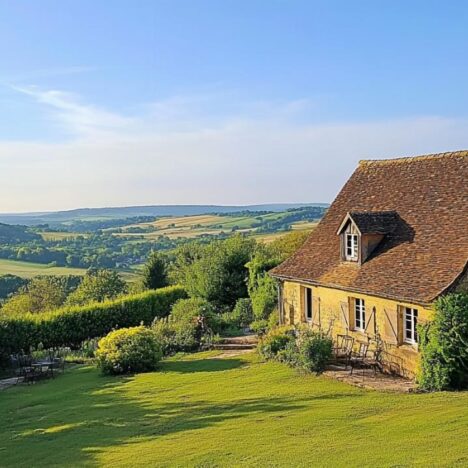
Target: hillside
<point x="87" y="214"/>
<point x="15" y="234"/>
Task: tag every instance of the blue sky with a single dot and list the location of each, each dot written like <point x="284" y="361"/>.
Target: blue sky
<point x="122" y="102"/>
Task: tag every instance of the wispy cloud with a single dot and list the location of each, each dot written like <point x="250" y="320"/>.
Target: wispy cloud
<point x="81" y="119"/>
<point x="175" y="151"/>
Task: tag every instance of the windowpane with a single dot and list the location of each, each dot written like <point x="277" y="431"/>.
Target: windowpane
<point x="308" y="303"/>
<point x="410" y="323"/>
<point x="359" y="314"/>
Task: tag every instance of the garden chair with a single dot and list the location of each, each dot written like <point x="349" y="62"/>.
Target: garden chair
<point x="343" y="349"/>
<point x="358" y="359"/>
<point x="27" y="370"/>
<point x="374" y="362"/>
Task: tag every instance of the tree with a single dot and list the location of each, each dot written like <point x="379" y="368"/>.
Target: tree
<point x="41" y="294"/>
<point x="216" y="272"/>
<point x="98" y="286"/>
<point x="155" y="272"/>
<point x="262" y="287"/>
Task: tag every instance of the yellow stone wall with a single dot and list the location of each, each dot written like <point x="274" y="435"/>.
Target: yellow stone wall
<point x="331" y="312"/>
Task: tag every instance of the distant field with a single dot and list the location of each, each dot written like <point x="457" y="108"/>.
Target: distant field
<point x="59" y="235"/>
<point x="28" y="270"/>
<point x="192" y="227"/>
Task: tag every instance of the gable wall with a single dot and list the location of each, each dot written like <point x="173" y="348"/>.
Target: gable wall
<point x="331" y="311"/>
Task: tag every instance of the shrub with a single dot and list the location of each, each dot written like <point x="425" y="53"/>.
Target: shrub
<point x="71" y="326"/>
<point x="189" y="309"/>
<point x="242" y="314"/>
<point x="443" y="345"/>
<point x="174" y="337"/>
<point x="313" y="350"/>
<point x="302" y="348"/>
<point x="259" y="326"/>
<point x="275" y="341"/>
<point x="128" y="350"/>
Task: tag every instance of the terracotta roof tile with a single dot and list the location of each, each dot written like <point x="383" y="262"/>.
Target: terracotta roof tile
<point x="419" y="259"/>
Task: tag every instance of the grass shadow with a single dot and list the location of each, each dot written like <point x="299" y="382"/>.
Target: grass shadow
<point x="201" y="365"/>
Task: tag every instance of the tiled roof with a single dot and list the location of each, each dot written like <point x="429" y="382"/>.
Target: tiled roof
<point x="375" y="222"/>
<point x="421" y="257"/>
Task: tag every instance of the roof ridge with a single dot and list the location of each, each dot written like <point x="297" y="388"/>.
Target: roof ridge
<point x="410" y="159"/>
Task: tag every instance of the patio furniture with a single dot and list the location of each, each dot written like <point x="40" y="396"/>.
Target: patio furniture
<point x="27" y="370"/>
<point x="358" y="359"/>
<point x="343" y="349"/>
<point x="374" y="362"/>
<point x="45" y="368"/>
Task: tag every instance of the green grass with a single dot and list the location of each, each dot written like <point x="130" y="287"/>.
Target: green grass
<point x="200" y="411"/>
<point x="29" y="269"/>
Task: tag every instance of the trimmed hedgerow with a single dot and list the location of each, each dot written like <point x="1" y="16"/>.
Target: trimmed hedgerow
<point x="71" y="326"/>
<point x="444" y="346"/>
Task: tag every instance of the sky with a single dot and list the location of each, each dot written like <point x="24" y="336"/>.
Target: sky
<point x="117" y="103"/>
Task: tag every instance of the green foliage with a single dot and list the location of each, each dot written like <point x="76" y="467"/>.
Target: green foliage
<point x="72" y="325"/>
<point x="41" y="294"/>
<point x="275" y="341"/>
<point x="243" y="313"/>
<point x="128" y="350"/>
<point x="259" y="326"/>
<point x="187" y="310"/>
<point x="314" y="350"/>
<point x="155" y="271"/>
<point x="444" y="345"/>
<point x="98" y="286"/>
<point x="176" y="336"/>
<point x="10" y="284"/>
<point x="288" y="244"/>
<point x="302" y="348"/>
<point x="216" y="272"/>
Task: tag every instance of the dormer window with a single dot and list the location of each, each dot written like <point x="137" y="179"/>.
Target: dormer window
<point x="361" y="232"/>
<point x="352" y="247"/>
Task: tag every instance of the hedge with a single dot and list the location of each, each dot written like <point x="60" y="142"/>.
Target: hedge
<point x="71" y="326"/>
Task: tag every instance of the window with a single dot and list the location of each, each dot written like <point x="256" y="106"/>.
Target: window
<point x="351" y="247"/>
<point x="359" y="314"/>
<point x="308" y="304"/>
<point x="410" y="322"/>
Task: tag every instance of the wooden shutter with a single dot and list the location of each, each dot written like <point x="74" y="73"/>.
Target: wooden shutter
<point x="316" y="313"/>
<point x="352" y="313"/>
<point x="344" y="315"/>
<point x="390" y="332"/>
<point x="370" y="324"/>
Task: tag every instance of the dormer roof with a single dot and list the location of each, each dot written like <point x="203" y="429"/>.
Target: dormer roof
<point x="371" y="222"/>
<point x="421" y="256"/>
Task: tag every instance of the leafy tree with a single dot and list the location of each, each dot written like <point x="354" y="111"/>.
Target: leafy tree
<point x="155" y="272"/>
<point x="288" y="244"/>
<point x="41" y="294"/>
<point x="216" y="272"/>
<point x="98" y="286"/>
<point x="444" y="345"/>
<point x="9" y="284"/>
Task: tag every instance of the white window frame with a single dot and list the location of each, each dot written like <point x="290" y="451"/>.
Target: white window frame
<point x="308" y="306"/>
<point x="410" y="322"/>
<point x="352" y="247"/>
<point x="359" y="314"/>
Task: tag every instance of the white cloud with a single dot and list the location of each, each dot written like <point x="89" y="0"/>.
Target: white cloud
<point x="173" y="152"/>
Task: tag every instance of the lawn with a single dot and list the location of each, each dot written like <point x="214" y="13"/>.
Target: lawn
<point x="206" y="412"/>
